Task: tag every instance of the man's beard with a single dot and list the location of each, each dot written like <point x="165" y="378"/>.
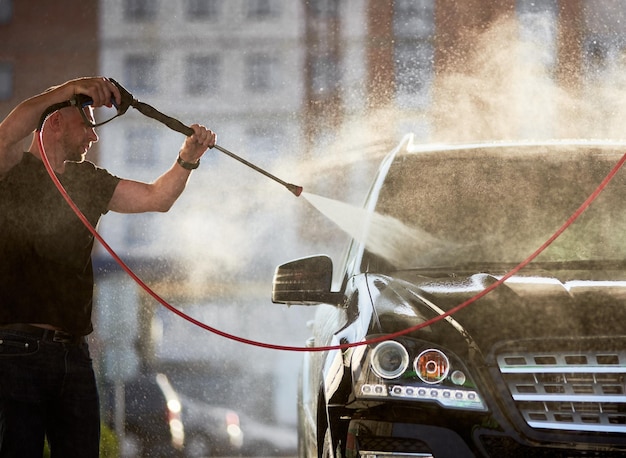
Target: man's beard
<point x="73" y="153"/>
<point x="77" y="156"/>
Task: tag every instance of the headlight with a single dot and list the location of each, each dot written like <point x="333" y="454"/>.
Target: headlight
<point x="385" y="372"/>
<point x="432" y="366"/>
<point x="390" y="359"/>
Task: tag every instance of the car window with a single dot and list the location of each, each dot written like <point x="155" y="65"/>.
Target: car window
<point x="501" y="205"/>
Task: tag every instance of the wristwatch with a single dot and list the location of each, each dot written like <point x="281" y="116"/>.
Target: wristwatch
<point x="187" y="165"/>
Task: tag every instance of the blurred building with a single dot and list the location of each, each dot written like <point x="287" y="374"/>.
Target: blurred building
<point x="43" y="45"/>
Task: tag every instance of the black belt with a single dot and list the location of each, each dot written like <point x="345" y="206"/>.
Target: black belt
<point x="50" y="335"/>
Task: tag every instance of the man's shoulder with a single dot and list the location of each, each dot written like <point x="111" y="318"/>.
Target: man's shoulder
<point x="90" y="174"/>
<point x="26" y="163"/>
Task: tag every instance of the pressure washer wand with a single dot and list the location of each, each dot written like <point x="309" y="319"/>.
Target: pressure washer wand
<point x="178" y="126"/>
<point x="296" y="190"/>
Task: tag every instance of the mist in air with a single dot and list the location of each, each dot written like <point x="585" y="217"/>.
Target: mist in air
<point x="507" y="90"/>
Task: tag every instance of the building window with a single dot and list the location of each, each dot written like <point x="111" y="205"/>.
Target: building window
<point x="6" y="80"/>
<point x="6" y="11"/>
<point x="260" y="73"/>
<point x="326" y="9"/>
<point x="414" y="29"/>
<point x="596" y="55"/>
<point x="261" y="9"/>
<point x="141" y="73"/>
<point x="264" y="139"/>
<point x="324" y="76"/>
<point x="414" y="73"/>
<point x="202" y="74"/>
<point x="202" y="10"/>
<point x="538" y="24"/>
<point x="537" y="7"/>
<point x="414" y="19"/>
<point x="142" y="146"/>
<point x="140" y="10"/>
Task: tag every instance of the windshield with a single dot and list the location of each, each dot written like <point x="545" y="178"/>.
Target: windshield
<point x="500" y="205"/>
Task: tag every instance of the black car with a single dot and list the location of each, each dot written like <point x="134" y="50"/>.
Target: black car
<point x="263" y="437"/>
<point x="535" y="367"/>
<point x="153" y="416"/>
<point x="210" y="430"/>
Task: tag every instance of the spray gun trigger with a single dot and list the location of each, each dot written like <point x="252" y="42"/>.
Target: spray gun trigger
<point x="127" y="98"/>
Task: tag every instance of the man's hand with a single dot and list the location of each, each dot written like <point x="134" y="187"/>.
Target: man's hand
<point x="195" y="146"/>
<point x="101" y="90"/>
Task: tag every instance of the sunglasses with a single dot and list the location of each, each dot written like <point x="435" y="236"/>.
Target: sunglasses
<point x="81" y="102"/>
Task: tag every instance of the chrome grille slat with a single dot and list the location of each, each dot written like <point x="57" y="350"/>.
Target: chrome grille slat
<point x="566" y="390"/>
<point x="565" y="398"/>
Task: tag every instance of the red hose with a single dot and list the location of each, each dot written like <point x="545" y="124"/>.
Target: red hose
<point x="243" y="340"/>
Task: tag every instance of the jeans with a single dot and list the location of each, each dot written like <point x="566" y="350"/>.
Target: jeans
<point x="47" y="389"/>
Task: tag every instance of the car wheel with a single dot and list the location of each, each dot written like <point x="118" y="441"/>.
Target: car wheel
<point x="197" y="446"/>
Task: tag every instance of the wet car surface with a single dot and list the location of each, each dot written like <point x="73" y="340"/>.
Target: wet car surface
<point x="536" y="367"/>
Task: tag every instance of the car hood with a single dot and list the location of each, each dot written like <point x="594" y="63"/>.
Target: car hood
<point x="524" y="306"/>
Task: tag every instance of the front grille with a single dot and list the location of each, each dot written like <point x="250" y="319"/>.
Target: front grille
<point x="503" y="446"/>
<point x="392" y="447"/>
<point x="567" y="390"/>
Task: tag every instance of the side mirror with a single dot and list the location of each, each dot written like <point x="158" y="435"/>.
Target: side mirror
<point x="305" y="281"/>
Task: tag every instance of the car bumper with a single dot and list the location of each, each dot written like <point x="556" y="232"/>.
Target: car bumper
<point x="377" y="439"/>
<point x="389" y="439"/>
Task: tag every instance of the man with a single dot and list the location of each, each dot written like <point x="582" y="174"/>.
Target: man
<point x="47" y="383"/>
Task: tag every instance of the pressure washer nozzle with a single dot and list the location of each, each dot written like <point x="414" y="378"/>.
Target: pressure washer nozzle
<point x="296" y="190"/>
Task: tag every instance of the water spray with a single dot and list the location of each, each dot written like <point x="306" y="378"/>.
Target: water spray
<point x="129" y="101"/>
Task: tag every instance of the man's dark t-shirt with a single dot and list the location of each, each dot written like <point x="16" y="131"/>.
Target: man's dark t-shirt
<point x="46" y="275"/>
